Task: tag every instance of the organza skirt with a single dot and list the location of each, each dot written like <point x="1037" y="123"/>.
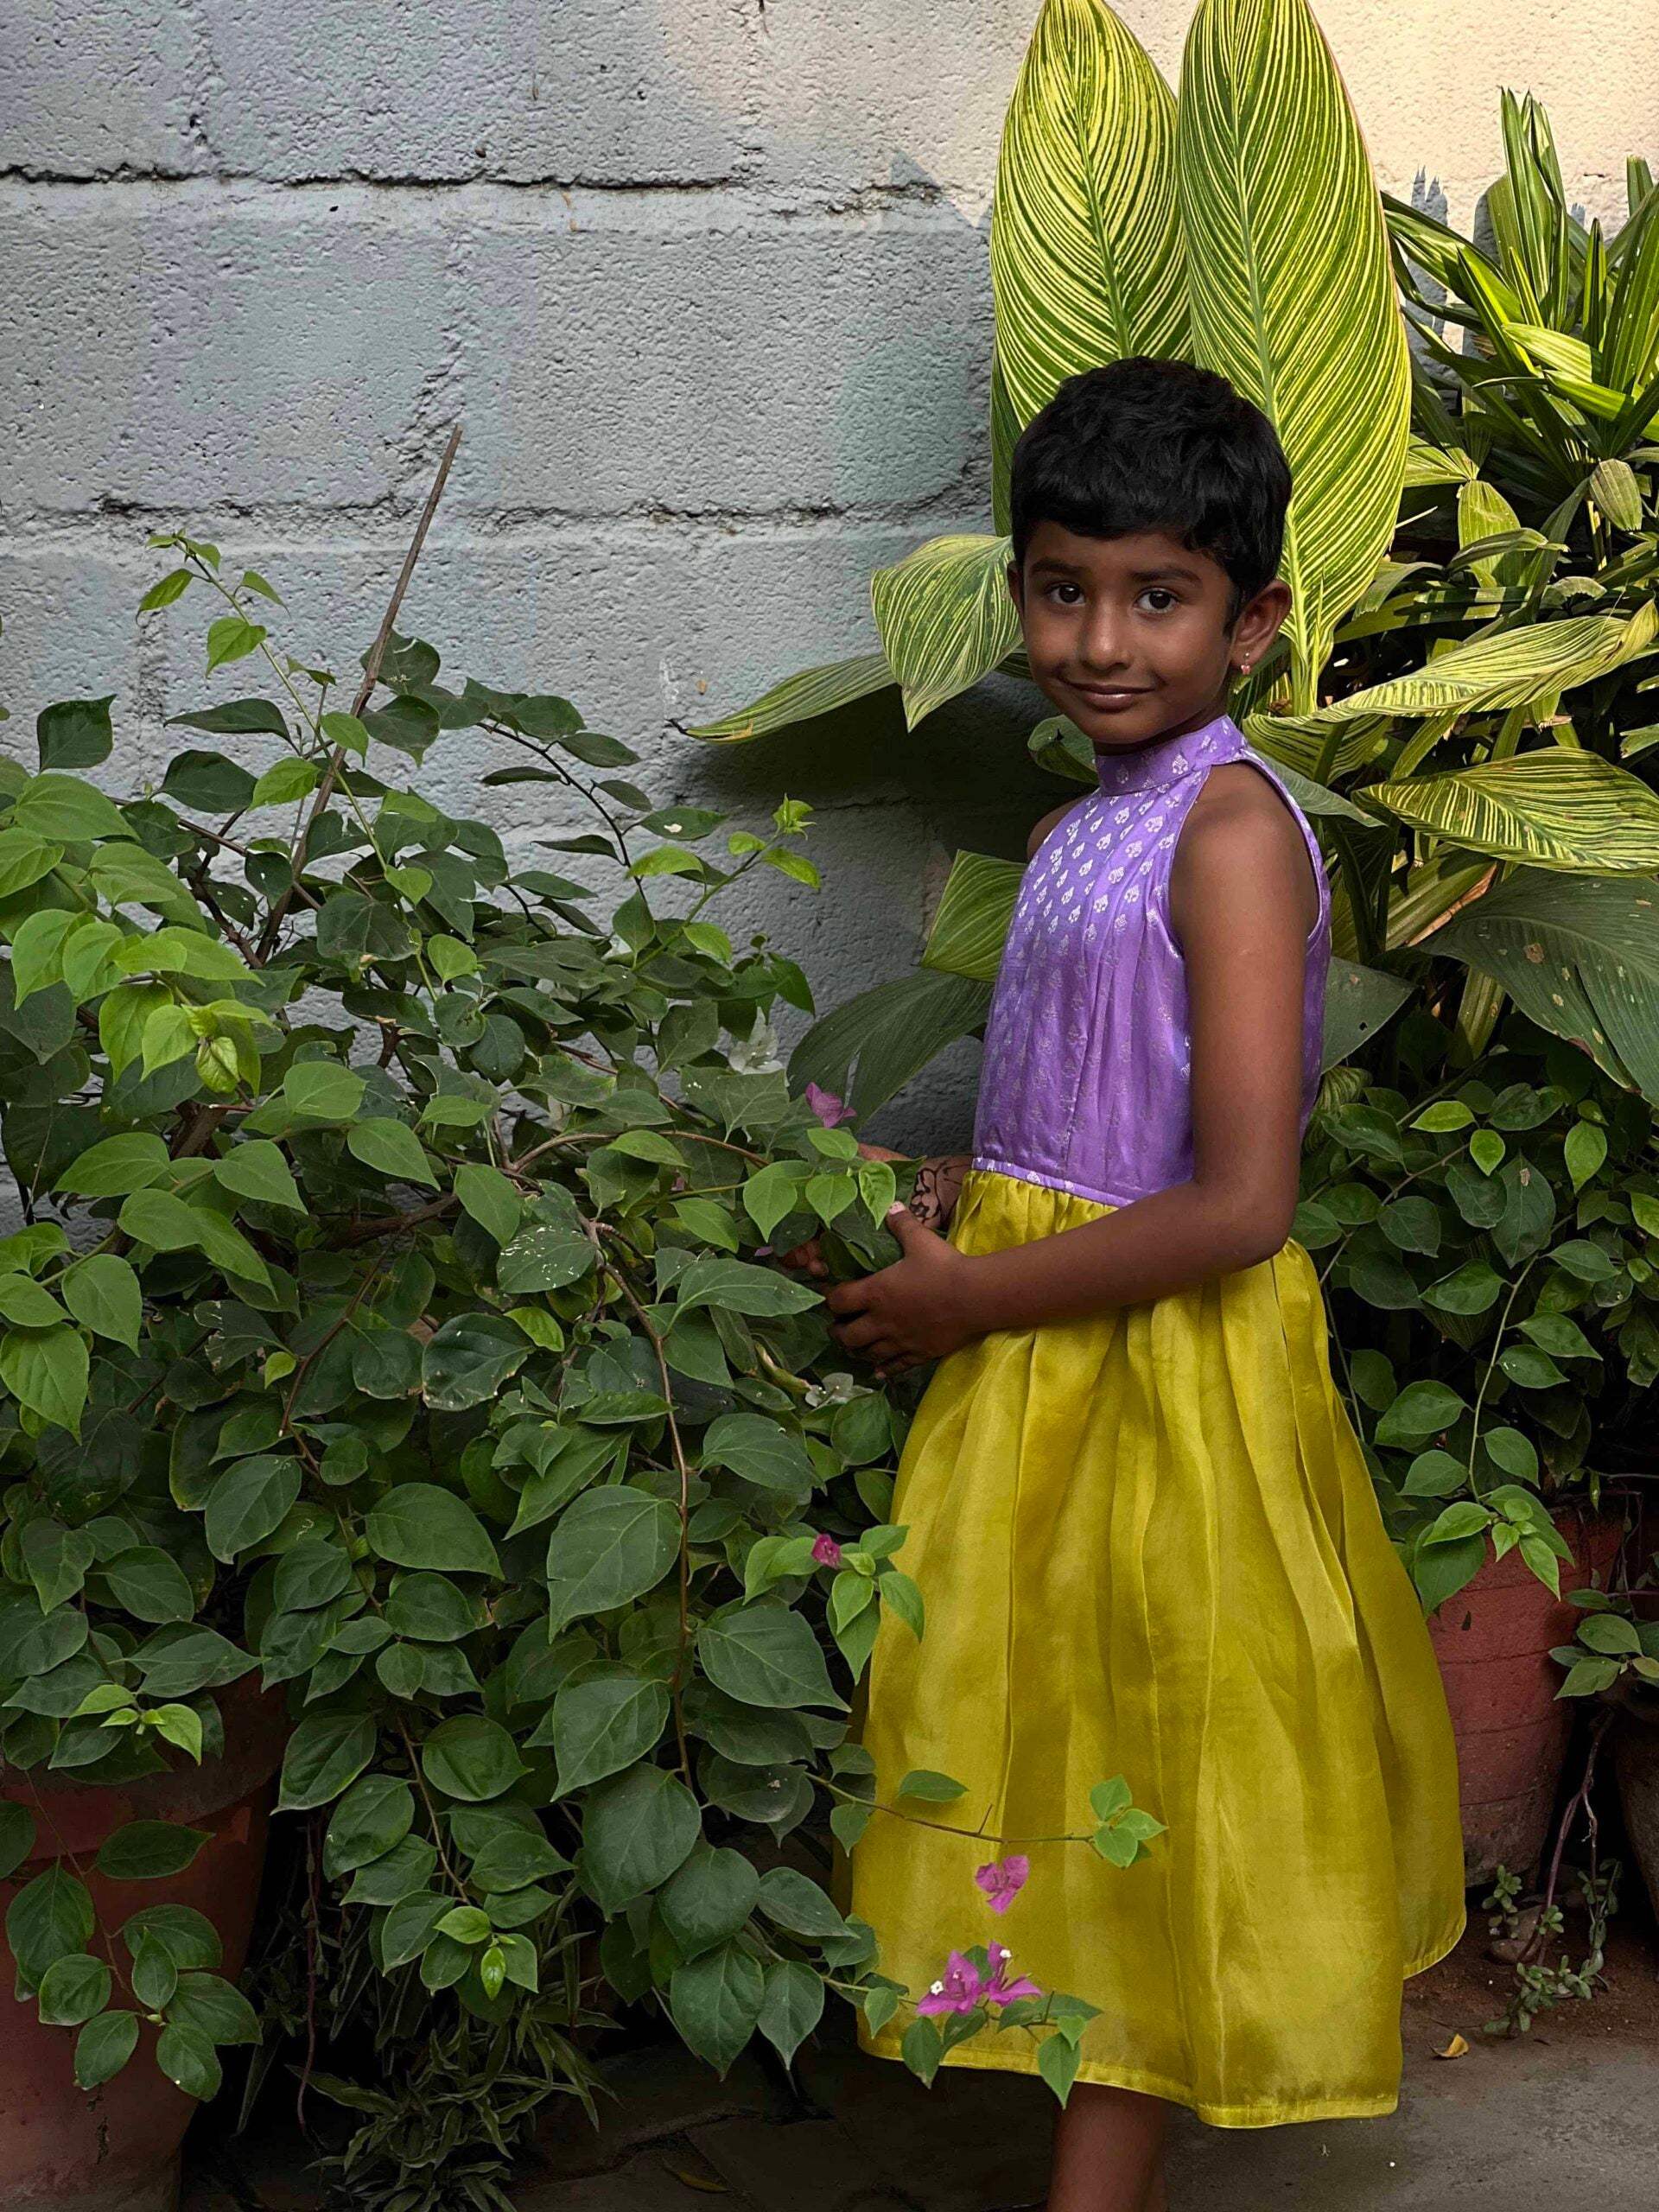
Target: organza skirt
<point x="1149" y="1545"/>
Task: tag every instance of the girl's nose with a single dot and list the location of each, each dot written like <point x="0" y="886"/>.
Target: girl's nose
<point x="1102" y="648"/>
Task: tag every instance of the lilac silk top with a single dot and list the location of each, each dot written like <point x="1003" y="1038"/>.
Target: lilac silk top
<point x="1085" y="1085"/>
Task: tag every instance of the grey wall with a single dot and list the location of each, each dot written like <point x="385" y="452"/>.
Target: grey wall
<point x="704" y="280"/>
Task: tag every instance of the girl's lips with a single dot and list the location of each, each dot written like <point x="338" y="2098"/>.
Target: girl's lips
<point x="1106" y="698"/>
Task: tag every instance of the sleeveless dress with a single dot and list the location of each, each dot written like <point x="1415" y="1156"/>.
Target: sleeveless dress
<point x="1148" y="1545"/>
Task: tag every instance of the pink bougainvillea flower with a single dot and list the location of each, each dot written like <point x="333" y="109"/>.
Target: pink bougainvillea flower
<point x="964" y="1986"/>
<point x="999" y="1990"/>
<point x="1003" y="1879"/>
<point x="827" y="1551"/>
<point x="829" y="1109"/>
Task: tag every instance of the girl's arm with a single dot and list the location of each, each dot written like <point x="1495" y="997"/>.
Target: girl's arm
<point x="1243" y="901"/>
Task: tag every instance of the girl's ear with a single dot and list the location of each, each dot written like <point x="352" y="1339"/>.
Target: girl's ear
<point x="1017" y="587"/>
<point x="1260" y="623"/>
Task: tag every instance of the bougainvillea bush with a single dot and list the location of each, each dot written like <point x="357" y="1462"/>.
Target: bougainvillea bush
<point x="392" y="1315"/>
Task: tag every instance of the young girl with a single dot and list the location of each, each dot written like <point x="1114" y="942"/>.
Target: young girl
<point x="1143" y="1524"/>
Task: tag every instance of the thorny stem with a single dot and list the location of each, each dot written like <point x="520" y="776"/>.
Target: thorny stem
<point x="981" y="1835"/>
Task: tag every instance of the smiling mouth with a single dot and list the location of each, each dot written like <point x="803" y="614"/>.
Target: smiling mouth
<point x="1106" y="697"/>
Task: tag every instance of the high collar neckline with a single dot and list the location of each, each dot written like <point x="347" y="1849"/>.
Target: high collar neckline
<point x="1164" y="760"/>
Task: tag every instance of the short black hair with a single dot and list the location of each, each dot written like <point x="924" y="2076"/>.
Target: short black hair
<point x="1146" y="445"/>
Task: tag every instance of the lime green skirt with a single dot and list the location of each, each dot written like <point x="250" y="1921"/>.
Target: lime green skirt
<point x="1149" y="1545"/>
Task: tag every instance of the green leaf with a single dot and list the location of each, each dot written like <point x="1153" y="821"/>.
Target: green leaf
<point x="1291" y="292"/>
<point x="471" y="1758"/>
<point x="103" y="1293"/>
<point x="371" y="1819"/>
<point x="946" y="618"/>
<point x="467" y="1361"/>
<point x="64" y="810"/>
<point x="24" y="1301"/>
<point x="765" y="1654"/>
<point x="419" y="1524"/>
<point x="184" y="2055"/>
<point x="24" y="859"/>
<point x="391" y="1148"/>
<point x="1421" y="1410"/>
<point x="235" y="718"/>
<point x="231" y="638"/>
<point x="1357" y="1003"/>
<point x="935" y="1789"/>
<point x="325" y="1755"/>
<point x="637" y="1829"/>
<point x="610" y="1545"/>
<point x="1057" y="2061"/>
<point x="975" y="912"/>
<point x="798" y="1903"/>
<point x="604" y="1722"/>
<point x="802" y="698"/>
<point x="248" y="1503"/>
<point x="760" y="1452"/>
<point x="213" y="2009"/>
<point x="513" y="1859"/>
<point x="48" y="1920"/>
<point x="714" y="2002"/>
<point x="1578" y="956"/>
<point x="73" y="1989"/>
<point x="103" y="2047"/>
<point x="17" y="1836"/>
<point x="708" y="1900"/>
<point x="45" y="1371"/>
<point x="870" y="1048"/>
<point x="284" y="783"/>
<point x="494" y="1203"/>
<point x="143" y="1850"/>
<point x="1086" y="254"/>
<point x="741" y="1288"/>
<point x="256" y="1169"/>
<point x="75" y="733"/>
<point x="1557" y="808"/>
<point x="150" y="1585"/>
<point x="208" y="781"/>
<point x="1501" y="669"/>
<point x="1471" y="1289"/>
<point x="791" y="2005"/>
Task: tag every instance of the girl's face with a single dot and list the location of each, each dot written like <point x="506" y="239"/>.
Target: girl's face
<point x="1130" y="636"/>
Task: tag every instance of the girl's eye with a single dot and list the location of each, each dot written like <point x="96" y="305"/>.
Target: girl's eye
<point x="1064" y="594"/>
<point x="1157" y="600"/>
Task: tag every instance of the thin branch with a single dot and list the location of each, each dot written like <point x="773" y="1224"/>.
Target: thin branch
<point x="364" y="693"/>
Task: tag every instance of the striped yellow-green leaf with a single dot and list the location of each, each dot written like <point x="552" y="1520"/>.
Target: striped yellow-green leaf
<point x="1510" y="668"/>
<point x="799" y="698"/>
<point x="1428" y="464"/>
<point x="946" y="618"/>
<point x="1298" y="741"/>
<point x="1614" y="488"/>
<point x="1085" y="242"/>
<point x="971" y="927"/>
<point x="1292" y="295"/>
<point x="1005" y="433"/>
<point x="1559" y="809"/>
<point x="1580" y="955"/>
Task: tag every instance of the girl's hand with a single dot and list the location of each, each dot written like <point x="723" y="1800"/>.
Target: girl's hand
<point x="807" y="1258"/>
<point x="919" y="1309"/>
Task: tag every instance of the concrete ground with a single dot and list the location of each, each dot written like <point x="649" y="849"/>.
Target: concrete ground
<point x="1565" y="2120"/>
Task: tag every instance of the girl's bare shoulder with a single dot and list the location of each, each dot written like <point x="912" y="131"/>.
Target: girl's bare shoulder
<point x="1241" y="835"/>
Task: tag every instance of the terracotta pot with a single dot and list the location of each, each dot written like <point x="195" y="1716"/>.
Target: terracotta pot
<point x="1493" y="1642"/>
<point x="117" y="2149"/>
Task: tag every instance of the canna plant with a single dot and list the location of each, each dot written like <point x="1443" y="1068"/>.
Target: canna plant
<point x="1425" y="711"/>
<point x="390" y="1322"/>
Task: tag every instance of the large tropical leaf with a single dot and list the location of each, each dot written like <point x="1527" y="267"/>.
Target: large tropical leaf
<point x="1580" y="955"/>
<point x="799" y="698"/>
<point x="1559" y="809"/>
<point x="1085" y="242"/>
<point x="946" y="618"/>
<point x="1292" y="294"/>
<point x="867" y="1050"/>
<point x="1510" y="667"/>
<point x="971" y="926"/>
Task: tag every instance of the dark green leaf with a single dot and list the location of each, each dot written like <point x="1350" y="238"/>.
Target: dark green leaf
<point x="143" y="1850"/>
<point x="75" y="733"/>
<point x="326" y="1753"/>
<point x="419" y="1524"/>
<point x="471" y="1758"/>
